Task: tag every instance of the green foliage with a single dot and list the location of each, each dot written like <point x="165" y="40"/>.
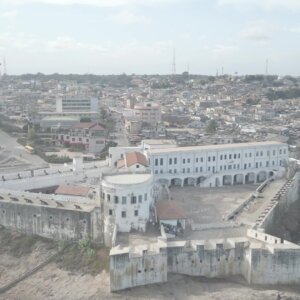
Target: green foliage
<point x="283" y="94"/>
<point x="211" y="127"/>
<point x="84" y="256"/>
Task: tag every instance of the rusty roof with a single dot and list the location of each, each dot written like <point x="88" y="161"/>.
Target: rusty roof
<point x="72" y="190"/>
<point x="131" y="159"/>
<point x="169" y="210"/>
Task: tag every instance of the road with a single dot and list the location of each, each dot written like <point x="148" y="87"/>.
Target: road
<point x="120" y="134"/>
<point x="11" y="148"/>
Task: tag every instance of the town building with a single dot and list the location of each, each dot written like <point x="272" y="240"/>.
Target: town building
<point x="87" y="136"/>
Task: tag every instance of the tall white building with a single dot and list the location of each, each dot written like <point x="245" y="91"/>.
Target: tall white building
<point x="148" y="112"/>
<point x="77" y="104"/>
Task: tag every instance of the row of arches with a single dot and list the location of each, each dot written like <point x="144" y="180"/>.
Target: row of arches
<point x="235" y="179"/>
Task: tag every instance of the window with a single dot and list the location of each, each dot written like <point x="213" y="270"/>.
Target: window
<point x="116" y="199"/>
<point x="170" y="171"/>
<point x="214" y="169"/>
<point x="73" y="139"/>
<point x="123" y="214"/>
<point x="225" y="156"/>
<point x="284" y="151"/>
<point x="196" y="170"/>
<point x="208" y="169"/>
<point x="221" y="167"/>
<point x="239" y="155"/>
<point x="280" y="151"/>
<point x="137" y="166"/>
<point x="124" y="200"/>
<point x="156" y="161"/>
<point x="188" y="170"/>
<point x="145" y="197"/>
<point x="188" y="160"/>
<point x="197" y="159"/>
<point x="234" y="156"/>
<point x="229" y="167"/>
<point x="257" y="153"/>
<point x="268" y="152"/>
<point x="201" y="159"/>
<point x="256" y="165"/>
<point x="209" y="158"/>
<point x="261" y="153"/>
<point x="136" y="213"/>
<point x="108" y="197"/>
<point x="246" y="155"/>
<point x="140" y="198"/>
<point x="161" y="161"/>
<point x="110" y="212"/>
<point x="183" y="161"/>
<point x="175" y="171"/>
<point x="230" y="156"/>
<point x="274" y="152"/>
<point x="221" y="157"/>
<point x="175" y="160"/>
<point x="214" y="158"/>
<point x="250" y="154"/>
<point x="133" y="200"/>
<point x="170" y="161"/>
<point x="201" y="169"/>
<point x="183" y="170"/>
<point x="245" y="166"/>
<point x="80" y="139"/>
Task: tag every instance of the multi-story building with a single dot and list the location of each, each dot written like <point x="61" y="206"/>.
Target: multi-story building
<point x="218" y="165"/>
<point x="77" y="103"/>
<point x="148" y="112"/>
<point x="213" y="165"/>
<point x="88" y="136"/>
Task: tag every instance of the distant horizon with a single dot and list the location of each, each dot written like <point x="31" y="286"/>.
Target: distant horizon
<point x="150" y="74"/>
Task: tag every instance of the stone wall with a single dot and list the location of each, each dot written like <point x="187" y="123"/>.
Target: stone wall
<point x="139" y="266"/>
<point x="50" y="221"/>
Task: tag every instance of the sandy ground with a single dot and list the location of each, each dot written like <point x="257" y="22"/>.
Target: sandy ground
<point x="54" y="283"/>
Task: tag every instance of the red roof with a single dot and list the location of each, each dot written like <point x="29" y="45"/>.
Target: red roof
<point x="133" y="158"/>
<point x="72" y="190"/>
<point x="169" y="210"/>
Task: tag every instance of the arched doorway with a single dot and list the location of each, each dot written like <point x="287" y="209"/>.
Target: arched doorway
<point x="250" y="178"/>
<point x="238" y="179"/>
<point x="261" y="176"/>
<point x="176" y="182"/>
<point x="227" y="180"/>
<point x="200" y="180"/>
<point x="189" y="181"/>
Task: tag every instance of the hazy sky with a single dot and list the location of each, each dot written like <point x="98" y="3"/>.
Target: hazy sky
<point x="138" y="36"/>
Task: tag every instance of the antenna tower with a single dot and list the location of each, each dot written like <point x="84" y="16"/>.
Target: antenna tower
<point x="4" y="67"/>
<point x="174" y="63"/>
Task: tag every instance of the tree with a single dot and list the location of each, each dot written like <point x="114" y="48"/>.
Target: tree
<point x="211" y="127"/>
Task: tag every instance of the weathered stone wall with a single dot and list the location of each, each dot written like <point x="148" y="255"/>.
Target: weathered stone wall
<point x="52" y="222"/>
<point x="135" y="268"/>
<point x="287" y="196"/>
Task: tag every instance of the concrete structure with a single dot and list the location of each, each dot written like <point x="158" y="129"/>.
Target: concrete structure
<point x="218" y="165"/>
<point x="213" y="165"/>
<point x="50" y="216"/>
<point x="127" y="199"/>
<point x="88" y="136"/>
<point x="77" y="103"/>
<point x="148" y="112"/>
<point x="259" y="257"/>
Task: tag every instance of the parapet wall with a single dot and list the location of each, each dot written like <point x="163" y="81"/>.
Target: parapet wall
<point x="259" y="258"/>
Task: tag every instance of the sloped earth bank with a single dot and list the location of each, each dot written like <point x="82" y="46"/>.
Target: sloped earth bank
<point x="71" y="280"/>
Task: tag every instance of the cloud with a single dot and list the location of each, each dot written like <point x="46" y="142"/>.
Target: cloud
<point x="101" y="3"/>
<point x="127" y="18"/>
<point x="31" y="43"/>
<point x="9" y="14"/>
<point x="260" y="32"/>
<point x="264" y="4"/>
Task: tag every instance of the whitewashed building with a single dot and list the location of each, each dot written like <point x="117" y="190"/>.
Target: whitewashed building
<point x="212" y="165"/>
<point x="218" y="165"/>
